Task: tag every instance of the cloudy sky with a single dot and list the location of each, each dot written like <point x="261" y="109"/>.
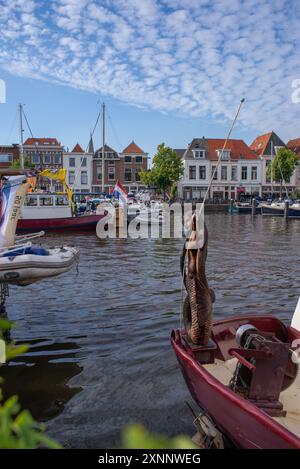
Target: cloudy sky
<point x="168" y="70"/>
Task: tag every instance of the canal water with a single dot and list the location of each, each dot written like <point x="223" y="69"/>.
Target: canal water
<point x="100" y="355"/>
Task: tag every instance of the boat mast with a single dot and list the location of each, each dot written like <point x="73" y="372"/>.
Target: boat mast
<point x="103" y="145"/>
<point x="21" y="136"/>
<point x="272" y="168"/>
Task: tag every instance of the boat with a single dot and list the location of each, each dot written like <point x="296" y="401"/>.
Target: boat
<point x="242" y="371"/>
<point x="294" y="210"/>
<point x="22" y="263"/>
<point x="275" y="209"/>
<point x="243" y="207"/>
<point x="52" y="212"/>
<point x="209" y="371"/>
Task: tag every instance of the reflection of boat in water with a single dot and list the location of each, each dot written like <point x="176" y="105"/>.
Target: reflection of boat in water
<point x="20" y="262"/>
<point x="52" y="212"/>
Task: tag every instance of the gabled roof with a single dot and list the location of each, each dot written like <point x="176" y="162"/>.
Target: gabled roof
<point x="133" y="148"/>
<point x="179" y="151"/>
<point x="91" y="145"/>
<point x="77" y="149"/>
<point x="42" y="141"/>
<point x="294" y="145"/>
<point x="260" y="143"/>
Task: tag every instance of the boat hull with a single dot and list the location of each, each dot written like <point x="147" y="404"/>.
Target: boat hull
<point x="246" y="425"/>
<point x="272" y="211"/>
<point x="80" y="223"/>
<point x="243" y="210"/>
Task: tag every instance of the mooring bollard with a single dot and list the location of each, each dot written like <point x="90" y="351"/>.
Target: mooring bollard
<point x="231" y="206"/>
<point x="253" y="207"/>
<point x="286" y="210"/>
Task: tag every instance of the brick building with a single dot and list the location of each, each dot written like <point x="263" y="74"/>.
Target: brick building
<point x="8" y="155"/>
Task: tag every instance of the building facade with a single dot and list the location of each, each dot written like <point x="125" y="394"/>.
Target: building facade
<point x="79" y="169"/>
<point x="294" y="145"/>
<point x="9" y="154"/>
<point x="44" y="153"/>
<point x="123" y="167"/>
<point x="239" y="171"/>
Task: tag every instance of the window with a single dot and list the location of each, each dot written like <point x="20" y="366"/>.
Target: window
<point x="199" y="153"/>
<point x="71" y="177"/>
<point x="224" y="173"/>
<point x="83" y="161"/>
<point x="254" y="173"/>
<point x="127" y="174"/>
<point x="244" y="173"/>
<point x="31" y="201"/>
<point x="47" y="158"/>
<point x="111" y="163"/>
<point x="202" y="172"/>
<point x="214" y="173"/>
<point x="111" y="172"/>
<point x="35" y="158"/>
<point x="234" y="173"/>
<point x="139" y="159"/>
<point x="84" y="178"/>
<point x="6" y="158"/>
<point x="99" y="171"/>
<point x="57" y="159"/>
<point x="46" y="201"/>
<point x="225" y="154"/>
<point x="61" y="200"/>
<point x="127" y="159"/>
<point x="192" y="172"/>
<point x="72" y="162"/>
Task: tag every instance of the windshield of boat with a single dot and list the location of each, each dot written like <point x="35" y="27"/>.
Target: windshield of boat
<point x="61" y="200"/>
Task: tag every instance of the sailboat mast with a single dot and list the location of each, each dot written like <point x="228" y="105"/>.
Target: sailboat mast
<point x="103" y="145"/>
<point x="21" y="136"/>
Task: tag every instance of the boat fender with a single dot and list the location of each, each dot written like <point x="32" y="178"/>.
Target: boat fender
<point x="296" y="317"/>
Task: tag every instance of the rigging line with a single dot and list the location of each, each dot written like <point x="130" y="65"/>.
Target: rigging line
<point x="12" y="127"/>
<point x="26" y="120"/>
<point x="205" y="196"/>
<point x="114" y="131"/>
<point x="86" y="150"/>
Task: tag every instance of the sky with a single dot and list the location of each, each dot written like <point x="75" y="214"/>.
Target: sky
<point x="168" y="70"/>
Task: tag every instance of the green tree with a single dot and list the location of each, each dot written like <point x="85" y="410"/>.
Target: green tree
<point x="27" y="164"/>
<point x="166" y="171"/>
<point x="283" y="166"/>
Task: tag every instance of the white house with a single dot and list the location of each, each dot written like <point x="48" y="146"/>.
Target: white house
<point x="238" y="173"/>
<point x="79" y="169"/>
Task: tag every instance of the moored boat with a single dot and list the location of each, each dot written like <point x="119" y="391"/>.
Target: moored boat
<point x="275" y="209"/>
<point x="209" y="372"/>
<point x="52" y="212"/>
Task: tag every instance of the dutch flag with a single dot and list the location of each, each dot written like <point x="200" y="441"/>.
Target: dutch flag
<point x="120" y="193"/>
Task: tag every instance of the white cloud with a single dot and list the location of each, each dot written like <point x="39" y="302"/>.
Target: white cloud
<point x="192" y="57"/>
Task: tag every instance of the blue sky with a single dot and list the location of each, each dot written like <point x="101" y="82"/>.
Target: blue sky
<point x="168" y="70"/>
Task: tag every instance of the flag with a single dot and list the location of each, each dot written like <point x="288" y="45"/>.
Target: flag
<point x="120" y="193"/>
<point x="59" y="175"/>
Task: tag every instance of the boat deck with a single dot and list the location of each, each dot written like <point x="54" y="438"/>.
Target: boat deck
<point x="290" y="397"/>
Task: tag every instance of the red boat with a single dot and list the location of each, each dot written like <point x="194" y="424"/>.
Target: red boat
<point x="247" y="379"/>
<point x="78" y="223"/>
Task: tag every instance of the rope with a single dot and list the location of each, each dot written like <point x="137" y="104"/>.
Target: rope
<point x="205" y="196"/>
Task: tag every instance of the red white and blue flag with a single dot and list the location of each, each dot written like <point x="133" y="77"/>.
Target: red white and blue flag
<point x="120" y="193"/>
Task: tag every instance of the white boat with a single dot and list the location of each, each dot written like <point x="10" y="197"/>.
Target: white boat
<point x="26" y="264"/>
<point x="20" y="262"/>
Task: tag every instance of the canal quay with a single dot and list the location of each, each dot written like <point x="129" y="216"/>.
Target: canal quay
<point x="100" y="354"/>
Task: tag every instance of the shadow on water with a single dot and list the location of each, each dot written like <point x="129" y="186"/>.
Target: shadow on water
<point x="40" y="377"/>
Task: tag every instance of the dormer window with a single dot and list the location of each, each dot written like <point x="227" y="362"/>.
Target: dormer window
<point x="199" y="153"/>
<point x="225" y="154"/>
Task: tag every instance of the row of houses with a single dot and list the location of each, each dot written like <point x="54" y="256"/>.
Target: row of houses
<point x="84" y="168"/>
<point x="242" y="170"/>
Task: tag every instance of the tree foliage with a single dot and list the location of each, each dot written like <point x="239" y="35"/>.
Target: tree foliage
<point x="283" y="165"/>
<point x="166" y="171"/>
